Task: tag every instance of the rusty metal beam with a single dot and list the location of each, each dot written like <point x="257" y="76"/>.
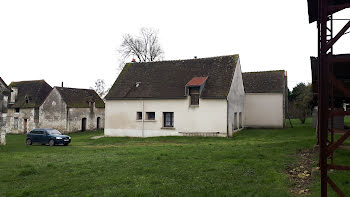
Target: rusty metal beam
<point x="336" y="38"/>
<point x="338" y="167"/>
<point x="339" y="85"/>
<point x="335" y="188"/>
<point x="334" y="146"/>
<point x="332" y="59"/>
<point x="323" y="91"/>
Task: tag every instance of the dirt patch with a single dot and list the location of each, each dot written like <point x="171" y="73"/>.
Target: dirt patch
<point x="301" y="173"/>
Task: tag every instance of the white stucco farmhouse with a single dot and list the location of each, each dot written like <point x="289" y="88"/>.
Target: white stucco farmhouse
<point x="203" y="97"/>
<point x="265" y="99"/>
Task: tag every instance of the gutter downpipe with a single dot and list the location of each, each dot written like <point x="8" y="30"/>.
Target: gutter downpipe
<point x="143" y="118"/>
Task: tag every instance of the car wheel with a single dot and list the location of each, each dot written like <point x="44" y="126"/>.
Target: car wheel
<point x="65" y="144"/>
<point x="51" y="142"/>
<point x="29" y="142"/>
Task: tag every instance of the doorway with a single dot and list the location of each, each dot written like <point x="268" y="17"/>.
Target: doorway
<point x="98" y="122"/>
<point x="25" y="121"/>
<point x="83" y="124"/>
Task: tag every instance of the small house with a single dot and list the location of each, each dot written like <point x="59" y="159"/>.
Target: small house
<point x="25" y="99"/>
<point x="265" y="99"/>
<point x="72" y="109"/>
<point x="195" y="97"/>
<point x="4" y="96"/>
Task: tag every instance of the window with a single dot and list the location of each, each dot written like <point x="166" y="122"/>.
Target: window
<point x="139" y="116"/>
<point x="27" y="99"/>
<point x="150" y="115"/>
<point x="235" y="121"/>
<point x="5" y="100"/>
<point x="240" y="120"/>
<point x="14" y="92"/>
<point x="15" y="123"/>
<point x="195" y="99"/>
<point x="17" y="110"/>
<point x="168" y="119"/>
<point x="194" y="93"/>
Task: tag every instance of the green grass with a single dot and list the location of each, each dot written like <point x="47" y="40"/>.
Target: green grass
<point x="253" y="163"/>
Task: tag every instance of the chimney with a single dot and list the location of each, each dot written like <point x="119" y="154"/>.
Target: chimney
<point x="62" y="84"/>
<point x="195" y="57"/>
<point x="133" y="60"/>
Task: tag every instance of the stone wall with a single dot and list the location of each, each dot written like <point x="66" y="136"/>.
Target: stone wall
<point x="24" y="115"/>
<point x="54" y="113"/>
<point x="76" y="116"/>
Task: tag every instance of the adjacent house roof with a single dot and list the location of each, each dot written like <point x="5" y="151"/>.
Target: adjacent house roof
<point x="264" y="82"/>
<point x="80" y="98"/>
<point x="197" y="81"/>
<point x="35" y="92"/>
<point x="7" y="89"/>
<point x="167" y="79"/>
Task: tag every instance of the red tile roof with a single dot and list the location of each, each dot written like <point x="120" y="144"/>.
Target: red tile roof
<point x="196" y="81"/>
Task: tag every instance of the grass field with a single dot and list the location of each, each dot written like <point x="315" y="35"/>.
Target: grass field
<point x="253" y="163"/>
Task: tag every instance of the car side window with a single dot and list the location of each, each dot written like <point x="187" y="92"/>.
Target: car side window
<point x="34" y="132"/>
<point x="40" y="132"/>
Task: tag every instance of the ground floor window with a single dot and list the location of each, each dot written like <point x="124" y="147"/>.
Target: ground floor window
<point x="235" y="121"/>
<point x="139" y="115"/>
<point x="150" y="115"/>
<point x="168" y="119"/>
<point x="98" y="122"/>
<point x="240" y="120"/>
<point x="15" y="123"/>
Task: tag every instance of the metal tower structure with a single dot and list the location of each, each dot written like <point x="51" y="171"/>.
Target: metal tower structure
<point x="328" y="84"/>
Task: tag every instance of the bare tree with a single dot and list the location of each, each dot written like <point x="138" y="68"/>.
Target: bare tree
<point x="145" y="47"/>
<point x="100" y="88"/>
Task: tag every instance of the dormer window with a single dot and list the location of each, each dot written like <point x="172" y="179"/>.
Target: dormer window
<point x="194" y="93"/>
<point x="194" y="89"/>
<point x="27" y="99"/>
<point x="14" y="92"/>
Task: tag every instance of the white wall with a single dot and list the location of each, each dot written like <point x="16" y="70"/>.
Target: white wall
<point x="263" y="110"/>
<point x="235" y="100"/>
<point x="210" y="116"/>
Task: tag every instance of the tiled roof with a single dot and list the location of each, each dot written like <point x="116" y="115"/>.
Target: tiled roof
<point x="5" y="85"/>
<point x="167" y="79"/>
<point x="36" y="92"/>
<point x="264" y="82"/>
<point x="196" y="81"/>
<point x="80" y="98"/>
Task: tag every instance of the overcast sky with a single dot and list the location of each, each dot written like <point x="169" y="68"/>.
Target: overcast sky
<point x="76" y="41"/>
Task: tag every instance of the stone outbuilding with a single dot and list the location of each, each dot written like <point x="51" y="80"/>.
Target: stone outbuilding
<point x="23" y="109"/>
<point x="4" y="96"/>
<point x="72" y="109"/>
<point x="265" y="99"/>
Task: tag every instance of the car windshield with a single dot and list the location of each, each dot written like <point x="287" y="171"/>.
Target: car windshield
<point x="54" y="132"/>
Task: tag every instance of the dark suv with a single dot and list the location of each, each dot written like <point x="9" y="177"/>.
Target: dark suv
<point x="47" y="136"/>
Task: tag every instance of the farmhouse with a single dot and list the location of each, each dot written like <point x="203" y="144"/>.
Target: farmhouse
<point x="202" y="97"/>
<point x="72" y="109"/>
<point x="265" y="99"/>
<point x="4" y="95"/>
<point x="25" y="99"/>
